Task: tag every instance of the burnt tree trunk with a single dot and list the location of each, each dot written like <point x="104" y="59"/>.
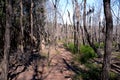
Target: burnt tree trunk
<point x="108" y="40"/>
<point x="7" y="38"/>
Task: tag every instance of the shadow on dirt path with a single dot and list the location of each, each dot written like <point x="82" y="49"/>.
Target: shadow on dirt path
<point x="38" y="68"/>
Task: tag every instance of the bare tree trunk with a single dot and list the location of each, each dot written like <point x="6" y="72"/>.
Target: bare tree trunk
<point x="31" y="22"/>
<point x="31" y="17"/>
<point x="7" y="38"/>
<point x="78" y="24"/>
<point x="75" y="37"/>
<point x="87" y="34"/>
<point x="108" y="40"/>
<point x="77" y="41"/>
<point x="66" y="32"/>
<point x="55" y="30"/>
<point x="42" y="24"/>
<point x="22" y="28"/>
<point x="82" y="34"/>
<point x="99" y="33"/>
<point x="76" y="18"/>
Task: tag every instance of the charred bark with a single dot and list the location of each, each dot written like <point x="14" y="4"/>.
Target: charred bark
<point x="108" y="40"/>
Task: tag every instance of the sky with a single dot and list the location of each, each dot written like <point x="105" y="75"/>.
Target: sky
<point x="69" y="7"/>
<point x="66" y="5"/>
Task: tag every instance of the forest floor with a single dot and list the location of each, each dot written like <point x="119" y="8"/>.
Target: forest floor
<point x="53" y="63"/>
<point x="54" y="67"/>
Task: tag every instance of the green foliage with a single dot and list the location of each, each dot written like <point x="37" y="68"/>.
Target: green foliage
<point x="77" y="58"/>
<point x="94" y="69"/>
<point x="77" y="77"/>
<point x="65" y="45"/>
<point x="113" y="76"/>
<point x="97" y="45"/>
<point x="118" y="56"/>
<point x="101" y="45"/>
<point x="86" y="53"/>
<point x="93" y="73"/>
<point x="71" y="47"/>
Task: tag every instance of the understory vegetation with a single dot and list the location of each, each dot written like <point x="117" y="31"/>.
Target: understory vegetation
<point x="91" y="70"/>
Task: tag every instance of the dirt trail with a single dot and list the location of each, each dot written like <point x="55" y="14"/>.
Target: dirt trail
<point x="57" y="69"/>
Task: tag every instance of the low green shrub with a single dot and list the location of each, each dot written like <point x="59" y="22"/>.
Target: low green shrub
<point x="97" y="45"/>
<point x="86" y="53"/>
<point x="118" y="56"/>
<point x="65" y="45"/>
<point x="113" y="76"/>
<point x="101" y="45"/>
<point x="77" y="77"/>
<point x="70" y="47"/>
<point x="93" y="73"/>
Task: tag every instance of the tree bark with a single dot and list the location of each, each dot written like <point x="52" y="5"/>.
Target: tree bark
<point x="82" y="34"/>
<point x="21" y="26"/>
<point x="75" y="36"/>
<point x="7" y="38"/>
<point x="76" y="18"/>
<point x="108" y="40"/>
<point x="77" y="10"/>
<point x="55" y="24"/>
<point x="31" y="22"/>
<point x="31" y="17"/>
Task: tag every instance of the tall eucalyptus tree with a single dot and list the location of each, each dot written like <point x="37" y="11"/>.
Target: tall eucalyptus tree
<point x="108" y="40"/>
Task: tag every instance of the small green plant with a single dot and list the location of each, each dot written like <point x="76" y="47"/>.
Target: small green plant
<point x="101" y="45"/>
<point x="70" y="47"/>
<point x="113" y="76"/>
<point x="94" y="69"/>
<point x="77" y="77"/>
<point x="65" y="45"/>
<point x="118" y="56"/>
<point x="97" y="45"/>
<point x="93" y="73"/>
<point x="86" y="53"/>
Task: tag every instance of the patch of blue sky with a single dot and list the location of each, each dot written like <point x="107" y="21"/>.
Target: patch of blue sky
<point x="66" y="5"/>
